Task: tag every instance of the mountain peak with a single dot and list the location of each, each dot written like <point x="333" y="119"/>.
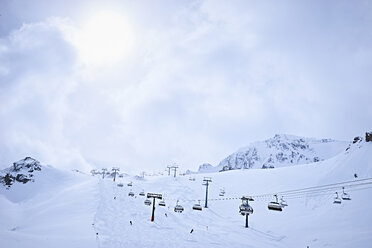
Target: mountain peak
<point x="22" y="171"/>
<point x="280" y="150"/>
<point x="27" y="163"/>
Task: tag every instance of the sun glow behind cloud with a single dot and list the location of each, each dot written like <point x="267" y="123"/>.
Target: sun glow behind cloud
<point x="104" y="38"/>
<point x="142" y="84"/>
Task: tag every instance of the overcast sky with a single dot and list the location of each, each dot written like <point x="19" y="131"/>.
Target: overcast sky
<point x="142" y="84"/>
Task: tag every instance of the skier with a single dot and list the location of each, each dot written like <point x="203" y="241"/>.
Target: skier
<point x="191" y="230"/>
<point x="166" y="215"/>
<point x="130" y="222"/>
<point x="355" y="175"/>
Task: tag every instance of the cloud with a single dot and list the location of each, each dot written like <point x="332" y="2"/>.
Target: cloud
<point x="39" y="65"/>
<point x="191" y="90"/>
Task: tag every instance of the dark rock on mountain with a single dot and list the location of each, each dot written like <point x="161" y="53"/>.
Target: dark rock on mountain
<point x="368" y="136"/>
<point x="21" y="171"/>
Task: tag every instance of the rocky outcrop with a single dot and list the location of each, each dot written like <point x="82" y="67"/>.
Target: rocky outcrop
<point x="368" y="136"/>
<point x="21" y="171"/>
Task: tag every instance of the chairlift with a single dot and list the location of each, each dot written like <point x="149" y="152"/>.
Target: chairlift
<point x="345" y="196"/>
<point x="130" y="184"/>
<point x="178" y="208"/>
<point x="147" y="202"/>
<point x="283" y="202"/>
<point x="197" y="206"/>
<point x="222" y="192"/>
<point x="120" y="185"/>
<point x="162" y="203"/>
<point x="131" y="194"/>
<point x="245" y="208"/>
<point x="142" y="193"/>
<point x="275" y="205"/>
<point x="337" y="200"/>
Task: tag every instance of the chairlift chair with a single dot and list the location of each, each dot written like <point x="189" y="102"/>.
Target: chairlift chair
<point x="197" y="206"/>
<point x="130" y="184"/>
<point x="131" y="194"/>
<point x="345" y="196"/>
<point x="147" y="202"/>
<point x="142" y="193"/>
<point x="162" y="203"/>
<point x="222" y="192"/>
<point x="120" y="185"/>
<point x="245" y="208"/>
<point x="178" y="208"/>
<point x="337" y="200"/>
<point x="275" y="205"/>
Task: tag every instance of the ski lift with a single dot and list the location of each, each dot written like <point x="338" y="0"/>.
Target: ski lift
<point x="162" y="203"/>
<point x="130" y="184"/>
<point x="245" y="208"/>
<point x="222" y="192"/>
<point x="147" y="202"/>
<point x="275" y="205"/>
<point x="131" y="194"/>
<point x="337" y="200"/>
<point x="142" y="193"/>
<point x="345" y="196"/>
<point x="178" y="208"/>
<point x="283" y="202"/>
<point x="120" y="185"/>
<point x="191" y="178"/>
<point x="197" y="207"/>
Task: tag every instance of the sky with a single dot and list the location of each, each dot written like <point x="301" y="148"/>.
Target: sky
<point x="144" y="84"/>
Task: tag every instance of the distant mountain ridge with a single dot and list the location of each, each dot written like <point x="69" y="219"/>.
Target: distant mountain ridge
<point x="281" y="150"/>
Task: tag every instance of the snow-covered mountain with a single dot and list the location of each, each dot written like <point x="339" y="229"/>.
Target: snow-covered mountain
<point x="76" y="210"/>
<point x="22" y="171"/>
<point x="281" y="150"/>
<point x="27" y="178"/>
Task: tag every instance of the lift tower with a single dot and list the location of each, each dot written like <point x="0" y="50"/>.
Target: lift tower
<point x="115" y="170"/>
<point x="154" y="196"/>
<point x="206" y="182"/>
<point x="245" y="208"/>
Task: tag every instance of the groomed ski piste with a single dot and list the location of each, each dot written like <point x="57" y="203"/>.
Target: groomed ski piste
<point x="69" y="209"/>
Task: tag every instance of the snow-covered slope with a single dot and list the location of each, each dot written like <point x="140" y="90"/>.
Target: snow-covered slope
<point x="94" y="212"/>
<point x="28" y="177"/>
<point x="281" y="150"/>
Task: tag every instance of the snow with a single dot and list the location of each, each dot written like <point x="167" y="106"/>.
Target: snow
<point x="66" y="209"/>
<point x="281" y="150"/>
